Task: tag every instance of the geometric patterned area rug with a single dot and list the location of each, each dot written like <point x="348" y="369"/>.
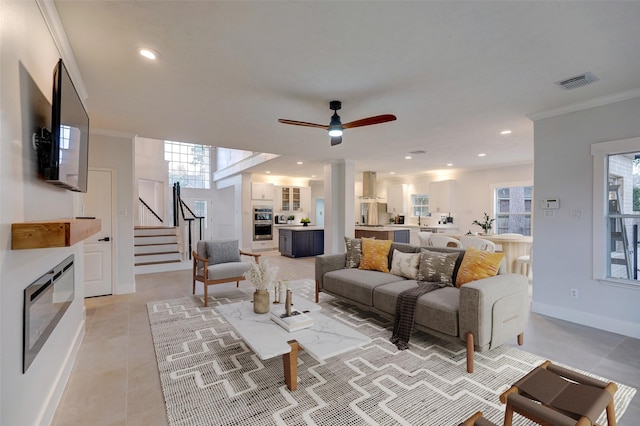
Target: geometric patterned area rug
<point x="210" y="377"/>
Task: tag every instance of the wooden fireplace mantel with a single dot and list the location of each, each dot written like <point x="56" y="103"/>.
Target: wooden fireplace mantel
<point x="52" y="233"/>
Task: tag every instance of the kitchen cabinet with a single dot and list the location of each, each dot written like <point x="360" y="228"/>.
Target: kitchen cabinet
<point x="301" y="241"/>
<point x="261" y="191"/>
<point x="293" y="199"/>
<point x="397" y="199"/>
<point x="442" y="196"/>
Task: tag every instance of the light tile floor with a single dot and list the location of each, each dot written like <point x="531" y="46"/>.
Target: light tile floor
<point x="115" y="379"/>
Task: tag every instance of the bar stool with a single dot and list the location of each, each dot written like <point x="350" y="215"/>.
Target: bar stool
<point x="555" y="396"/>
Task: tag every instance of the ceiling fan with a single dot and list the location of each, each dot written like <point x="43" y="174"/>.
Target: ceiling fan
<point x="336" y="127"/>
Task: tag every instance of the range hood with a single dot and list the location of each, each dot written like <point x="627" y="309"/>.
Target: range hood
<point x="369" y="187"/>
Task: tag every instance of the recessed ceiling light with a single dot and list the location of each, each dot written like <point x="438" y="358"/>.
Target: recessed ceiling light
<point x="268" y="172"/>
<point x="313" y="175"/>
<point x="299" y="162"/>
<point x="392" y="173"/>
<point x="505" y="132"/>
<point x="482" y="155"/>
<point x="148" y="53"/>
<point x="449" y="164"/>
<point x="408" y="157"/>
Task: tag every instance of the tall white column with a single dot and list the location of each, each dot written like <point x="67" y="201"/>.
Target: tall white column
<point x="339" y="202"/>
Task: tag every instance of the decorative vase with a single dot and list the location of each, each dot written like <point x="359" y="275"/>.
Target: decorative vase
<point x="261" y="301"/>
<point x="305" y="224"/>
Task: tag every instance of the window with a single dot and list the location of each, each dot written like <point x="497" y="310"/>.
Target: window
<point x="616" y="211"/>
<point x="420" y="204"/>
<point x="513" y="210"/>
<point x="623" y="215"/>
<point x="189" y="164"/>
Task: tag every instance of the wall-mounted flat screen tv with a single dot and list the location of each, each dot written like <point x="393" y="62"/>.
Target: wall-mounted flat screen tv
<point x="64" y="162"/>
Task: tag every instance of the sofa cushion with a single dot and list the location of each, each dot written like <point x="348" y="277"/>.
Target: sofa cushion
<point x="354" y="252"/>
<point x="437" y="309"/>
<point x="477" y="264"/>
<point x="436" y="266"/>
<point x="375" y="255"/>
<point x="356" y="284"/>
<point x="222" y="271"/>
<point x="405" y="264"/>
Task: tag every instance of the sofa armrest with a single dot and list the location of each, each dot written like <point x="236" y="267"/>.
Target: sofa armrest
<point x="327" y="263"/>
<point x="494" y="309"/>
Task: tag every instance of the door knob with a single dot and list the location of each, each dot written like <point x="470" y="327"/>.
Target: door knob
<point x="105" y="239"/>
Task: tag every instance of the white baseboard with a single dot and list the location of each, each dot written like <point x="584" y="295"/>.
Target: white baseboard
<point x="126" y="288"/>
<point x="163" y="267"/>
<point x="612" y="325"/>
<point x="53" y="400"/>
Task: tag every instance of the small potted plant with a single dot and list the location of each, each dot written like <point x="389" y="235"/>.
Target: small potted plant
<point x="305" y="221"/>
<point x="486" y="224"/>
<point x="290" y="219"/>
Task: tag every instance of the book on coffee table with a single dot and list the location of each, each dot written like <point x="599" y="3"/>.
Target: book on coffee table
<point x="296" y="321"/>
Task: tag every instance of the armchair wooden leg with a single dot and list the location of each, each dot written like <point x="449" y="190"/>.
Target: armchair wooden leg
<point x="521" y="339"/>
<point x="206" y="295"/>
<point x="194" y="287"/>
<point x="317" y="291"/>
<point x="237" y="284"/>
<point x="469" y="352"/>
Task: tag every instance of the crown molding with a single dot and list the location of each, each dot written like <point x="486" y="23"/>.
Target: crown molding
<point x="59" y="35"/>
<point x="592" y="103"/>
<point x="112" y="133"/>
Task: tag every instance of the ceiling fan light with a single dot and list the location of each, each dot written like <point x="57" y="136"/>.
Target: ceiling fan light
<point x="335" y="126"/>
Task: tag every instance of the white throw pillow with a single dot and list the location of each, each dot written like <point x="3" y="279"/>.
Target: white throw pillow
<point x="405" y="264"/>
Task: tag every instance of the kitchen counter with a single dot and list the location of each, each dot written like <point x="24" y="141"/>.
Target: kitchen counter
<point x="382" y="228"/>
<point x="301" y="227"/>
<point x="395" y="234"/>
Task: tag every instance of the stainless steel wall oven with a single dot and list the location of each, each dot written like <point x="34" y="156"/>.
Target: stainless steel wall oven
<point x="262" y="223"/>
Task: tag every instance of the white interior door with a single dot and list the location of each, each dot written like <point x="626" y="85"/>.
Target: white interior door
<point x="98" y="249"/>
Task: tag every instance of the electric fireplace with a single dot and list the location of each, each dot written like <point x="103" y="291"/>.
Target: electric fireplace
<point x="45" y="302"/>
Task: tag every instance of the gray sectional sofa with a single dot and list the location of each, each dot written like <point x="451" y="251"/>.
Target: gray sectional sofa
<point x="483" y="314"/>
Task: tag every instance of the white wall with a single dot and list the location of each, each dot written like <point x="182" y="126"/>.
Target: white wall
<point x="563" y="245"/>
<point x="117" y="153"/>
<point x="151" y="165"/>
<point x="473" y="191"/>
<point x="28" y="58"/>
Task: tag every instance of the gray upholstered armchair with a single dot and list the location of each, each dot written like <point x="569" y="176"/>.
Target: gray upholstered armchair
<point x="218" y="261"/>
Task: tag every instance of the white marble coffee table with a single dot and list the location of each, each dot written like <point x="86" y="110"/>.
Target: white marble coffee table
<point x="326" y="338"/>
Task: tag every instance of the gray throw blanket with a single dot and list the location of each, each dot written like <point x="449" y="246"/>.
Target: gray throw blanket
<point x="405" y="312"/>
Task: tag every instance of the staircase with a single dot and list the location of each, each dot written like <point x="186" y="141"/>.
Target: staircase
<point x="157" y="249"/>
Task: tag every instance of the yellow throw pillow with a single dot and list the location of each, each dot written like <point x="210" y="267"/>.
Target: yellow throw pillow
<point x="477" y="264"/>
<point x="375" y="255"/>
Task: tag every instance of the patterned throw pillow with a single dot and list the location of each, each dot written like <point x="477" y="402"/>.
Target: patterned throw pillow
<point x="436" y="266"/>
<point x="375" y="255"/>
<point x="354" y="252"/>
<point x="405" y="264"/>
<point x="477" y="264"/>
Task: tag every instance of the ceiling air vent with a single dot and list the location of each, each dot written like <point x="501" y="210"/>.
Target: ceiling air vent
<point x="577" y="81"/>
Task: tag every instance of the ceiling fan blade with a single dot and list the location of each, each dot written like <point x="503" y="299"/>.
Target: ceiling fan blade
<point x="335" y="140"/>
<point x="369" y="121"/>
<point x="303" y="123"/>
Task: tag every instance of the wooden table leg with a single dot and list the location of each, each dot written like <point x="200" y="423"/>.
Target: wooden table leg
<point x="290" y="364"/>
